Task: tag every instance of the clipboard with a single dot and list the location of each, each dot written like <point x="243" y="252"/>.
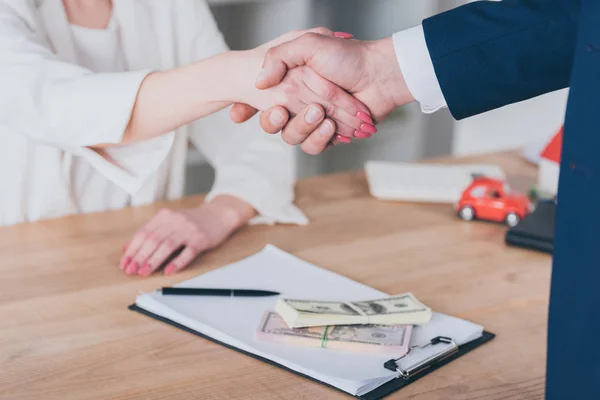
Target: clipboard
<point x="407" y="374"/>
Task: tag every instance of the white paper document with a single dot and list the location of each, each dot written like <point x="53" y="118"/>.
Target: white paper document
<point x="234" y="320"/>
<point x="433" y="183"/>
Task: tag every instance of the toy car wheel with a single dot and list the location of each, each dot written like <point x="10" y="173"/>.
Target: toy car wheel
<point x="466" y="213"/>
<point x="512" y="219"/>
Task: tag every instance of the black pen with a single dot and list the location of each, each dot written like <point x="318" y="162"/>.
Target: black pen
<point x="217" y="292"/>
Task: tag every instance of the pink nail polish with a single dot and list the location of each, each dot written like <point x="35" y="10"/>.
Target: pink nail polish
<point x="342" y="139"/>
<point x="146" y="270"/>
<point x="171" y="269"/>
<point x="132" y="269"/>
<point x="124" y="262"/>
<point x="362" y="135"/>
<point x="363" y="116"/>
<point x="368" y="128"/>
<point x="343" y="35"/>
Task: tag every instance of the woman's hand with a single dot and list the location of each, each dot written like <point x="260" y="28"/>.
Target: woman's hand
<point x="196" y="230"/>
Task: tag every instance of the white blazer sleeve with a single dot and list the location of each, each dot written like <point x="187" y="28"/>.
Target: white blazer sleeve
<point x="61" y="104"/>
<point x="250" y="164"/>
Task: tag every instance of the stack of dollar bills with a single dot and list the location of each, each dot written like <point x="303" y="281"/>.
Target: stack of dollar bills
<point x="375" y="326"/>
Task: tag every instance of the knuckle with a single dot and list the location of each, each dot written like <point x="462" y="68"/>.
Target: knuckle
<point x="140" y="236"/>
<point x="181" y="219"/>
<point x="313" y="148"/>
<point x="153" y="239"/>
<point x="289" y="88"/>
<point x="308" y="149"/>
<point x="331" y="109"/>
<point x="310" y="36"/>
<point x="292" y="138"/>
<point x="169" y="245"/>
<point x="287" y="139"/>
<point x="329" y="92"/>
<point x="321" y="30"/>
<point x="271" y="53"/>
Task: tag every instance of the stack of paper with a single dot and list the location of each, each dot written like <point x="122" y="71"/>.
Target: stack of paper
<point x="234" y="320"/>
<point x="436" y="183"/>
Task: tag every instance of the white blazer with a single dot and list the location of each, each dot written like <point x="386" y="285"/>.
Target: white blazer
<point x="51" y="109"/>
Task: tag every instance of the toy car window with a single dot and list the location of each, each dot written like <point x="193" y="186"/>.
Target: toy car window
<point x="506" y="189"/>
<point x="494" y="194"/>
<point x="478" y="191"/>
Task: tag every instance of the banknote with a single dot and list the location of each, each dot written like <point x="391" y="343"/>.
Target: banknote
<point x="402" y="309"/>
<point x="376" y="339"/>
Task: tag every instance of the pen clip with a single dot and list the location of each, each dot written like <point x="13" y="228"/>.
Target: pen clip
<point x="406" y="373"/>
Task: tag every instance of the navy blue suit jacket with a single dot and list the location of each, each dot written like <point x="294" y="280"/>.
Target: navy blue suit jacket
<point x="489" y="54"/>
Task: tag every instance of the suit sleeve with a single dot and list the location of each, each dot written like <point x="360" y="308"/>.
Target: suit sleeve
<point x="488" y="54"/>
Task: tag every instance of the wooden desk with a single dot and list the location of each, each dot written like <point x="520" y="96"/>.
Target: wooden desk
<point x="66" y="333"/>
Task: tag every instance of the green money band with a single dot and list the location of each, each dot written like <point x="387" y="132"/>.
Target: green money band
<point x="324" y="338"/>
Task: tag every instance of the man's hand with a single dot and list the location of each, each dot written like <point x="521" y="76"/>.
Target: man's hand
<point x="368" y="70"/>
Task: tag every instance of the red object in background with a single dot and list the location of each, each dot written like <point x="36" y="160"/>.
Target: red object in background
<point x="492" y="200"/>
<point x="553" y="148"/>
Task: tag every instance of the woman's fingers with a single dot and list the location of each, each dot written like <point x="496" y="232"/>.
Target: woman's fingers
<point x="139" y="238"/>
<point x="152" y="242"/>
<point x="182" y="261"/>
<point x="173" y="236"/>
<point x="351" y="115"/>
<point x="161" y="254"/>
<point x="146" y="240"/>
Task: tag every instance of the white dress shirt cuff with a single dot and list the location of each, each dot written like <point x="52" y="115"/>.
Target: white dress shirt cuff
<point x="417" y="69"/>
<point x="273" y="205"/>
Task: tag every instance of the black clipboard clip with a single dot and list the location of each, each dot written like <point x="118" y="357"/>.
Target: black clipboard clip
<point x="407" y="373"/>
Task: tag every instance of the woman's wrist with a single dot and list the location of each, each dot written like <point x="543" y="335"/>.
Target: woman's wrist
<point x="233" y="211"/>
<point x="244" y="67"/>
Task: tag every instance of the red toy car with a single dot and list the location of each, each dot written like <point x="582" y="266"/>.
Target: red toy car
<point x="493" y="200"/>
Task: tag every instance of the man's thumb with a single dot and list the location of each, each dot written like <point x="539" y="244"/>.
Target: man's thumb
<point x="272" y="73"/>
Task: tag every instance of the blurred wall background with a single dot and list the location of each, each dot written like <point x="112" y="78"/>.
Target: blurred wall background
<point x="408" y="134"/>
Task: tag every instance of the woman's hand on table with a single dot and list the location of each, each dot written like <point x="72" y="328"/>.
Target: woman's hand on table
<point x="198" y="229"/>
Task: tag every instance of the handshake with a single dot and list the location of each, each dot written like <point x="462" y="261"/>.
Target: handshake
<point x="320" y="88"/>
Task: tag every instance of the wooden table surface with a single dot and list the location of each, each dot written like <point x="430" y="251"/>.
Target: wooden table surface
<point x="66" y="332"/>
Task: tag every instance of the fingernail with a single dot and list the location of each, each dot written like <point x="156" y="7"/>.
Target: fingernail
<point x="342" y="139"/>
<point x="146" y="270"/>
<point x="124" y="262"/>
<point x="362" y="135"/>
<point x="368" y="128"/>
<point x="326" y="128"/>
<point x="364" y="117"/>
<point x="313" y="115"/>
<point x="277" y="118"/>
<point x="171" y="269"/>
<point x="132" y="269"/>
<point x="343" y="35"/>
